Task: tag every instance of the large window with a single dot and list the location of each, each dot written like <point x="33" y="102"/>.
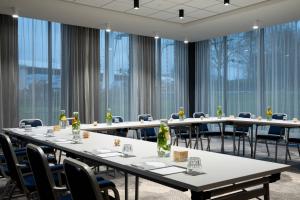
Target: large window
<point x="251" y="71"/>
<point x="39" y="66"/>
<point x="114" y="73"/>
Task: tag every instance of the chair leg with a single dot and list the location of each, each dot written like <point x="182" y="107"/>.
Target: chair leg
<point x="286" y="151"/>
<point x="239" y="144"/>
<point x="276" y="149"/>
<point x="267" y="147"/>
<point x="254" y="153"/>
<point x="208" y="144"/>
<point x="201" y="142"/>
<point x="186" y="143"/>
<point x="243" y="145"/>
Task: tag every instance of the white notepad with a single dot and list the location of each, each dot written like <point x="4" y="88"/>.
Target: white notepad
<point x="112" y="154"/>
<point x="168" y="170"/>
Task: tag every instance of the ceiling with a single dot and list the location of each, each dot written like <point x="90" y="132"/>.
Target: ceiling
<point x="167" y="10"/>
<point x="203" y="18"/>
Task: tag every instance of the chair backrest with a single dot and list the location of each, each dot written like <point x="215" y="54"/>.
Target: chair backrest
<point x="146" y="131"/>
<point x="202" y="127"/>
<point x="243" y="115"/>
<point x="12" y="162"/>
<point x="117" y="119"/>
<point x="277" y="130"/>
<point x="41" y="172"/>
<point x="174" y="116"/>
<point x="32" y="122"/>
<point x="81" y="180"/>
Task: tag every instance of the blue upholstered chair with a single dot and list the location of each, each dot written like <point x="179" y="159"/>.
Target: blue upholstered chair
<point x="17" y="172"/>
<point x="46" y="181"/>
<point x="240" y="131"/>
<point x="275" y="133"/>
<point x="84" y="185"/>
<point x="32" y="122"/>
<point x="204" y="132"/>
<point x="148" y="134"/>
<point x="181" y="132"/>
<point x="119" y="132"/>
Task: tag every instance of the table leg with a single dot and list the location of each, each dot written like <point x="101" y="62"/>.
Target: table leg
<point x="126" y="185"/>
<point x="136" y="188"/>
<point x="222" y="136"/>
<point x="197" y="196"/>
<point x="267" y="191"/>
<point x="190" y="142"/>
<point x="233" y="139"/>
<point x="251" y="141"/>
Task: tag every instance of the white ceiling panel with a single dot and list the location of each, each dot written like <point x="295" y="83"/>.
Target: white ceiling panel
<point x="202" y="3"/>
<point x="96" y="3"/>
<point x="187" y="9"/>
<point x="221" y="8"/>
<point x="162" y="15"/>
<point x="118" y="5"/>
<point x="200" y="14"/>
<point x="245" y="2"/>
<point x="160" y="5"/>
<point x="142" y="11"/>
<point x="186" y="19"/>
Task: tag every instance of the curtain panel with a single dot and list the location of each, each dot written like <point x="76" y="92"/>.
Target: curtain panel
<point x="247" y="72"/>
<point x="80" y="72"/>
<point x="144" y="78"/>
<point x="9" y="74"/>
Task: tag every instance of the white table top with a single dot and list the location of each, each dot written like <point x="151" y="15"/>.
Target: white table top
<point x="219" y="169"/>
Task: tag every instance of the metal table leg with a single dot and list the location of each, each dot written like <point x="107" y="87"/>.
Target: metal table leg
<point x="126" y="185"/>
<point x="222" y="136"/>
<point x="251" y="141"/>
<point x="136" y="188"/>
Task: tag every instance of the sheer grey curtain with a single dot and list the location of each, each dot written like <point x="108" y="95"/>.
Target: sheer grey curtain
<point x="250" y="71"/>
<point x="80" y="71"/>
<point x="143" y="83"/>
<point x="9" y="73"/>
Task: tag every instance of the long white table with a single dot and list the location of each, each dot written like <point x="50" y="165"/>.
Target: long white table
<point x="193" y="122"/>
<point x="223" y="173"/>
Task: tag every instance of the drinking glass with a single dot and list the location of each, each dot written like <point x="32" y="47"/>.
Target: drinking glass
<point x="284" y="117"/>
<point x="150" y="119"/>
<point x="22" y="125"/>
<point x="127" y="150"/>
<point x="206" y="115"/>
<point x="194" y="165"/>
<point x="28" y="127"/>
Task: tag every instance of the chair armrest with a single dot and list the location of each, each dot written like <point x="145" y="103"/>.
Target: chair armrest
<point x="61" y="188"/>
<point x="113" y="189"/>
<point x="21" y="165"/>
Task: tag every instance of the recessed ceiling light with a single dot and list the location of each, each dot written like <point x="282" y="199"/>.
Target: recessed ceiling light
<point x="256" y="25"/>
<point x="107" y="28"/>
<point x="156" y="36"/>
<point x="15" y="13"/>
<point x="136" y="4"/>
<point x="226" y="2"/>
<point x="181" y="13"/>
<point x="186" y="41"/>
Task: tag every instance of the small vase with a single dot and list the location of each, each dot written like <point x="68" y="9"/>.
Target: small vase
<point x="181" y="118"/>
<point x="76" y="135"/>
<point x="109" y="122"/>
<point x="269" y="117"/>
<point x="164" y="141"/>
<point x="63" y="124"/>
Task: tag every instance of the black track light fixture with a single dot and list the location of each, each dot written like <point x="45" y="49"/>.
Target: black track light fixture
<point x="181" y="13"/>
<point x="226" y="2"/>
<point x="136" y="4"/>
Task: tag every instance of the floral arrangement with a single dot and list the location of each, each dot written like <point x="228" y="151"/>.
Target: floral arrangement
<point x="269" y="113"/>
<point x="75" y="121"/>
<point x="219" y="111"/>
<point x="163" y="140"/>
<point x="62" y="116"/>
<point x="108" y="116"/>
<point x="181" y="113"/>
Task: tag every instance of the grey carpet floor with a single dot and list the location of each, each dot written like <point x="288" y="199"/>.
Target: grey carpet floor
<point x="288" y="188"/>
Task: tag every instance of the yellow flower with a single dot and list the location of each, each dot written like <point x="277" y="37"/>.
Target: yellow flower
<point x="64" y="118"/>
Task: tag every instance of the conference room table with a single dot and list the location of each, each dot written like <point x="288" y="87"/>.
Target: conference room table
<point x="221" y="174"/>
<point x="193" y="123"/>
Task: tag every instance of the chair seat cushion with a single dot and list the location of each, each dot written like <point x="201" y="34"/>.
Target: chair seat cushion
<point x="269" y="137"/>
<point x="104" y="183"/>
<point x="294" y="140"/>
<point x="151" y="139"/>
<point x="66" y="197"/>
